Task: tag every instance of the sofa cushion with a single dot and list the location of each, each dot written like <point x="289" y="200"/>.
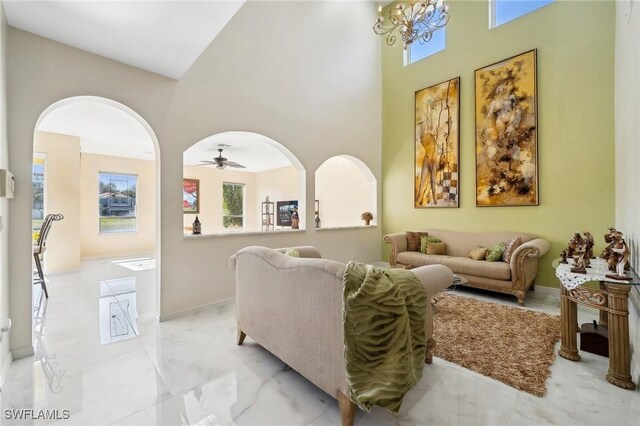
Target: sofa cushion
<point x="413" y="240"/>
<point x="479" y="253"/>
<point x="459" y="265"/>
<point x="424" y="240"/>
<point x="495" y="253"/>
<point x="292" y="252"/>
<point x="460" y="243"/>
<point x="510" y="247"/>
<point x="436" y="248"/>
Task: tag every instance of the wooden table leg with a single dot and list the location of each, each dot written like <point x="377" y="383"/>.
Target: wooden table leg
<point x="604" y="315"/>
<point x="619" y="351"/>
<point x="569" y="324"/>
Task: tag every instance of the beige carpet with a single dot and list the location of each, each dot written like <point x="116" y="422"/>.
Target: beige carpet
<point x="513" y="345"/>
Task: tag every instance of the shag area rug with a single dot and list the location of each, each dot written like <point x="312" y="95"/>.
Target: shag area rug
<point x="513" y="345"/>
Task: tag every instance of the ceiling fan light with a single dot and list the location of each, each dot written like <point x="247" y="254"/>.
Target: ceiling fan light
<point x="220" y="166"/>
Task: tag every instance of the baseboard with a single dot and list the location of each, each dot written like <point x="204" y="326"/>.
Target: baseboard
<point x="194" y="310"/>
<point x="17" y="354"/>
<point x="5" y="370"/>
<point x="547" y="290"/>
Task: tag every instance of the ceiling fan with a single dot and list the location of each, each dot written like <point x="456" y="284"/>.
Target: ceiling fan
<point x="220" y="162"/>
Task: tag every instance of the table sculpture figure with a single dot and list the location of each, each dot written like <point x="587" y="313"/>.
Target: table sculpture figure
<point x="619" y="260"/>
<point x="589" y="243"/>
<point x="575" y="244"/>
<point x="563" y="256"/>
<point x="608" y="238"/>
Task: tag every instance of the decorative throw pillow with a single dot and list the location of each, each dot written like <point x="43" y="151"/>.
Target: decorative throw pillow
<point x="495" y="253"/>
<point x="292" y="252"/>
<point x="426" y="240"/>
<point x="413" y="240"/>
<point x="478" y="253"/>
<point x="436" y="248"/>
<point x="510" y="247"/>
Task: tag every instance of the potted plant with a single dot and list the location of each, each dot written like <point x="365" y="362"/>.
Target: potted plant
<point x="367" y="217"/>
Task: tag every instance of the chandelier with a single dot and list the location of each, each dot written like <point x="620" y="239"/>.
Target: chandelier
<point x="414" y="19"/>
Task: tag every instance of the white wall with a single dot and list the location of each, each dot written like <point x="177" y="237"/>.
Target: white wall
<point x="5" y="355"/>
<point x="302" y="73"/>
<point x="627" y="113"/>
<point x="344" y="193"/>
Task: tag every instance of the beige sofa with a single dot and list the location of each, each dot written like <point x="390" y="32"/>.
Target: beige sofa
<point x="513" y="278"/>
<point x="293" y="308"/>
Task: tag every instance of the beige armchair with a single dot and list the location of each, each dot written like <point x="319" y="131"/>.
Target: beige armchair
<point x="293" y="308"/>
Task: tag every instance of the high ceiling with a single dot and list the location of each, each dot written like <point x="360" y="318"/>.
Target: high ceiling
<point x="256" y="152"/>
<point x="102" y="129"/>
<point x="164" y="37"/>
<point x="107" y="130"/>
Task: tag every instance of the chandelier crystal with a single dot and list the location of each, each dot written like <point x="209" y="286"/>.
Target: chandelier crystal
<point x="414" y="20"/>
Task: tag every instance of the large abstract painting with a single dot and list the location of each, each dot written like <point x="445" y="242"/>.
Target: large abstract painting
<point x="437" y="145"/>
<point x="506" y="133"/>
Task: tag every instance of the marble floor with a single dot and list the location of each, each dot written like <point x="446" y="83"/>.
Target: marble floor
<point x="101" y="355"/>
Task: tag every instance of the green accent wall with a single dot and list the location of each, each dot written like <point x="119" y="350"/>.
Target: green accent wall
<point x="575" y="42"/>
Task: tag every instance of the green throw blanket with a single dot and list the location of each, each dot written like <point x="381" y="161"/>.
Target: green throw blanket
<point x="384" y="341"/>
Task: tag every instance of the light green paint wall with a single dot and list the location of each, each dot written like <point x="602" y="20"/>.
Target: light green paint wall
<point x="575" y="42"/>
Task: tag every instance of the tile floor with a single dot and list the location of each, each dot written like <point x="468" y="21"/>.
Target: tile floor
<point x="101" y="355"/>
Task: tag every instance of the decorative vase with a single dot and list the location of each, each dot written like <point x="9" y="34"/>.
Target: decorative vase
<point x="197" y="227"/>
<point x="367" y="222"/>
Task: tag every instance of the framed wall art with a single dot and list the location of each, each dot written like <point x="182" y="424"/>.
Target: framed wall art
<point x="507" y="132"/>
<point x="191" y="196"/>
<point x="284" y="211"/>
<point x="437" y="145"/>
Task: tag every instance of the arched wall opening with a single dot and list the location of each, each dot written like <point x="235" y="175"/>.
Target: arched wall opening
<point x="345" y="188"/>
<point x="242" y="182"/>
<point x="105" y="227"/>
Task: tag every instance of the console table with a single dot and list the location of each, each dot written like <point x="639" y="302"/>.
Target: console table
<point x="612" y="301"/>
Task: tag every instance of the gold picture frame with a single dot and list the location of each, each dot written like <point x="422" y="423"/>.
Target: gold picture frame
<point x="437" y="146"/>
<point x="506" y="117"/>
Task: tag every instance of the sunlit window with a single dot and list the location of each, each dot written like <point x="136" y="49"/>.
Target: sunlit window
<point x="417" y="51"/>
<point x="233" y="205"/>
<point x="502" y="11"/>
<point x="37" y="184"/>
<point x="117" y="203"/>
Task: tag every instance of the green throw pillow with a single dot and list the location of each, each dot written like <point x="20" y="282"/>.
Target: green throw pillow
<point x="292" y="252"/>
<point x="424" y="240"/>
<point x="495" y="253"/>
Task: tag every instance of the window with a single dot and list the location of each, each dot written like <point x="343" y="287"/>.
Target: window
<point x="117" y="203"/>
<point x="37" y="186"/>
<point x="416" y="50"/>
<point x="233" y="205"/>
<point x="502" y="11"/>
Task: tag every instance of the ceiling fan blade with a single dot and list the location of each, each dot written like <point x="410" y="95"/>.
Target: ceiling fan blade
<point x="207" y="162"/>
<point x="234" y="164"/>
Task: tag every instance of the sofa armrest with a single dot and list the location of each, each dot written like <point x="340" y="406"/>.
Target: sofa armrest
<point x="398" y="244"/>
<point x="524" y="262"/>
<point x="434" y="278"/>
<point x="533" y="248"/>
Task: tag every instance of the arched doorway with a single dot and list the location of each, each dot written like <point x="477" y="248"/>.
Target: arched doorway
<point x="115" y="218"/>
